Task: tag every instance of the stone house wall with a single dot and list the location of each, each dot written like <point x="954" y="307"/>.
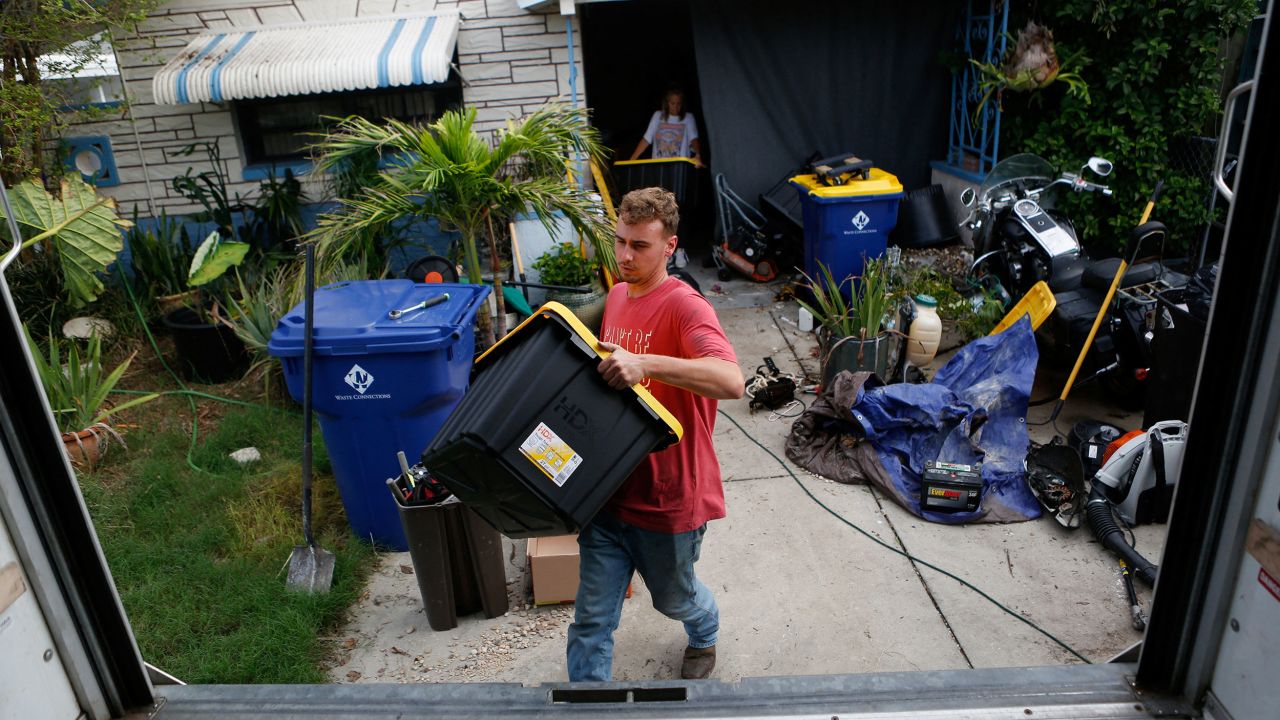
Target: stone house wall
<point x="511" y="61"/>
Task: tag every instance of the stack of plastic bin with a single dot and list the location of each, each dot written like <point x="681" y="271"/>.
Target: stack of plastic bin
<point x="541" y="442"/>
<point x="457" y="561"/>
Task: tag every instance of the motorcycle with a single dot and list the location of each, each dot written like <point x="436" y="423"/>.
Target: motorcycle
<point x="1019" y="239"/>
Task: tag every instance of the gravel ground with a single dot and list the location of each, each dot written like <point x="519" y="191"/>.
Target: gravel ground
<point x="388" y="638"/>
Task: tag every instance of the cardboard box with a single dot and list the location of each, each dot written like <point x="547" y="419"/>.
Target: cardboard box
<point x="553" y="564"/>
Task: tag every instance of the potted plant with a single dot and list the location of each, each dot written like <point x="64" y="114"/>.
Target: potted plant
<point x="968" y="310"/>
<point x="208" y="349"/>
<point x="77" y="390"/>
<point x="449" y="171"/>
<point x="567" y="266"/>
<point x="851" y="333"/>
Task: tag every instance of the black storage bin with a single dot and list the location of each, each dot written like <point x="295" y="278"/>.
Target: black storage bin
<point x="1177" y="340"/>
<point x="457" y="559"/>
<point x="924" y="219"/>
<point x="540" y="441"/>
<point x="678" y="175"/>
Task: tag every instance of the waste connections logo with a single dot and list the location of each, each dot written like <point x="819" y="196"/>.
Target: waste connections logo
<point x="360" y="379"/>
<point x="860" y="220"/>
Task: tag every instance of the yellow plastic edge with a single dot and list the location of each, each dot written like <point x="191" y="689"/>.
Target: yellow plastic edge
<point x="567" y="315"/>
<point x="650" y="161"/>
<point x="1039" y="303"/>
<point x="879" y="183"/>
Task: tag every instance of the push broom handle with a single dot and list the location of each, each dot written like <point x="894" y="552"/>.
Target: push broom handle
<point x="1102" y="310"/>
<point x="308" y="321"/>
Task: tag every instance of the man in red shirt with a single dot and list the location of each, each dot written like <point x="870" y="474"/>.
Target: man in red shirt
<point x="664" y="336"/>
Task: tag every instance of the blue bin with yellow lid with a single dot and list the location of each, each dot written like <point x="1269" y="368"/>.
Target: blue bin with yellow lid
<point x="541" y="442"/>
<point x="846" y="219"/>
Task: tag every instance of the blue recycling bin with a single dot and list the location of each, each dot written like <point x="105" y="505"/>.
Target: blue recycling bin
<point x="845" y="223"/>
<point x="380" y="385"/>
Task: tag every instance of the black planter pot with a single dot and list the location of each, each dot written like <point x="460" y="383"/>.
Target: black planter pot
<point x="206" y="353"/>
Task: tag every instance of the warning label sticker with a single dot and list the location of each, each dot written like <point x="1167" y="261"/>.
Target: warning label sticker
<point x="1269" y="582"/>
<point x="551" y="454"/>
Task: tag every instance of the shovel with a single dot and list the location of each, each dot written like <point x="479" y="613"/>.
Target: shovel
<point x="310" y="567"/>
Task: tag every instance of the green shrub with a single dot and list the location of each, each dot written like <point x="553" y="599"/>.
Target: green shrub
<point x="565" y="265"/>
<point x="1154" y="72"/>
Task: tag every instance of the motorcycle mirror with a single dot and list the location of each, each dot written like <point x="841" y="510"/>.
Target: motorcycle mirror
<point x="968" y="196"/>
<point x="1101" y="166"/>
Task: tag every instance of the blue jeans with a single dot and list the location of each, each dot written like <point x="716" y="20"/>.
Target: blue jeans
<point x="610" y="551"/>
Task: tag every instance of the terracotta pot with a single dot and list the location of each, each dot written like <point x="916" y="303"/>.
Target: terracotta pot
<point x="85" y="448"/>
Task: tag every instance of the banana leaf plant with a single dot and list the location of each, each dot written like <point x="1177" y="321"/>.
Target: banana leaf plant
<point x="82" y="228"/>
<point x="450" y="171"/>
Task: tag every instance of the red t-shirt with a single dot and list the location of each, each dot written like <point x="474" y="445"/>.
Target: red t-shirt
<point x="677" y="489"/>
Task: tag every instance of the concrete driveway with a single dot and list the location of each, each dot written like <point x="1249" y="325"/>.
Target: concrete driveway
<point x="800" y="591"/>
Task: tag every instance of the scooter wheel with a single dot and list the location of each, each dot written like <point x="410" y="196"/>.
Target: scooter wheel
<point x="724" y="274"/>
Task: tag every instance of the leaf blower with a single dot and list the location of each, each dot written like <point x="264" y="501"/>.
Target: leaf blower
<point x="1136" y="483"/>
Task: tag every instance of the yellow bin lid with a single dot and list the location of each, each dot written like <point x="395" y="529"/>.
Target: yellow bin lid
<point x="567" y="316"/>
<point x="879" y="183"/>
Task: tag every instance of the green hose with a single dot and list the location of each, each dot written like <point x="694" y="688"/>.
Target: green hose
<point x="207" y="396"/>
<point x="903" y="553"/>
<point x="195" y="418"/>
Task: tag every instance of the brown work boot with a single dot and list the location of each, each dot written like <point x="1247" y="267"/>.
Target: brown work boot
<point x="698" y="663"/>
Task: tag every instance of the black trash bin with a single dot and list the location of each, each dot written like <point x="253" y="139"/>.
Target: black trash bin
<point x="1176" y="343"/>
<point x="457" y="559"/>
<point x="541" y="441"/>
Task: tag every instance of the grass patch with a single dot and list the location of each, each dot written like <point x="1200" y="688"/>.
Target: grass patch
<point x="199" y="557"/>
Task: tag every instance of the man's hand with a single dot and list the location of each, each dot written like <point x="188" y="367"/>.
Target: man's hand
<point x="621" y="369"/>
<point x="707" y="376"/>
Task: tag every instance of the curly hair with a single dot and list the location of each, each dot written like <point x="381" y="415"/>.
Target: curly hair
<point x="647" y="204"/>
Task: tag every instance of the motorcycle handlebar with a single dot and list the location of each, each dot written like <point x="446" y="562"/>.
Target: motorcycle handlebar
<point x="1082" y="184"/>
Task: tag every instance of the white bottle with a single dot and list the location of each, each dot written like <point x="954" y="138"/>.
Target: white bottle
<point x="925" y="333"/>
<point x="806" y="321"/>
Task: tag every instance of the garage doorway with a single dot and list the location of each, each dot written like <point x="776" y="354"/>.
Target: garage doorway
<point x="632" y="53"/>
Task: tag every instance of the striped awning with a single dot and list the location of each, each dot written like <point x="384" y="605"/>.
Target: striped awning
<point x="311" y="58"/>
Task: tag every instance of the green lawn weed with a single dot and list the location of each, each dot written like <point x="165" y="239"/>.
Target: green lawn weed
<point x="199" y="556"/>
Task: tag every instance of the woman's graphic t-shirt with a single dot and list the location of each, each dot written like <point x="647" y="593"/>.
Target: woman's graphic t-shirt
<point x="670" y="136"/>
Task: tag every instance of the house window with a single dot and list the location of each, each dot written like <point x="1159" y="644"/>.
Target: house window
<point x="83" y="75"/>
<point x="279" y="131"/>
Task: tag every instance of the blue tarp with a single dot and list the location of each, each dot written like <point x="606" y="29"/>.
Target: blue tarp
<point x="974" y="412"/>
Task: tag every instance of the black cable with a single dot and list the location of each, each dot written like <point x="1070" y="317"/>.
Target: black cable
<point x="903" y="553"/>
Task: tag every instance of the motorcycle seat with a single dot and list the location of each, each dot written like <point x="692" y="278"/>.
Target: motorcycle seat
<point x="1100" y="273"/>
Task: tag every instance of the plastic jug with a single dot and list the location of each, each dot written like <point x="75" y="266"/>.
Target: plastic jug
<point x="925" y="333"/>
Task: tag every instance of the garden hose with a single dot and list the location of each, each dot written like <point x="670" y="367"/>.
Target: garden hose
<point x="207" y="396"/>
<point x="195" y="415"/>
<point x="903" y="553"/>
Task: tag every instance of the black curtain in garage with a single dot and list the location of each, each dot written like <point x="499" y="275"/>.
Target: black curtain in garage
<point x="781" y="80"/>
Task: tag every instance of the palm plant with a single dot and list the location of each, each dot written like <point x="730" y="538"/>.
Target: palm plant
<point x="448" y="171"/>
